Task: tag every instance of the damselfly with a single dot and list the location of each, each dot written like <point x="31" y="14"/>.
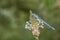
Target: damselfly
<point x="35" y="19"/>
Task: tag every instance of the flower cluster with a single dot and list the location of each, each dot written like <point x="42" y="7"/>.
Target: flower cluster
<point x="34" y="27"/>
<point x="35" y="23"/>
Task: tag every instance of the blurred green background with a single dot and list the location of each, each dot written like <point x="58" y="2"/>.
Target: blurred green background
<point x="15" y="13"/>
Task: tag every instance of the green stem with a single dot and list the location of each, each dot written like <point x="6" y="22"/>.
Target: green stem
<point x="37" y="38"/>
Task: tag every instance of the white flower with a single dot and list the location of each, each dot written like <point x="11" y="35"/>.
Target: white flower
<point x="28" y="26"/>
